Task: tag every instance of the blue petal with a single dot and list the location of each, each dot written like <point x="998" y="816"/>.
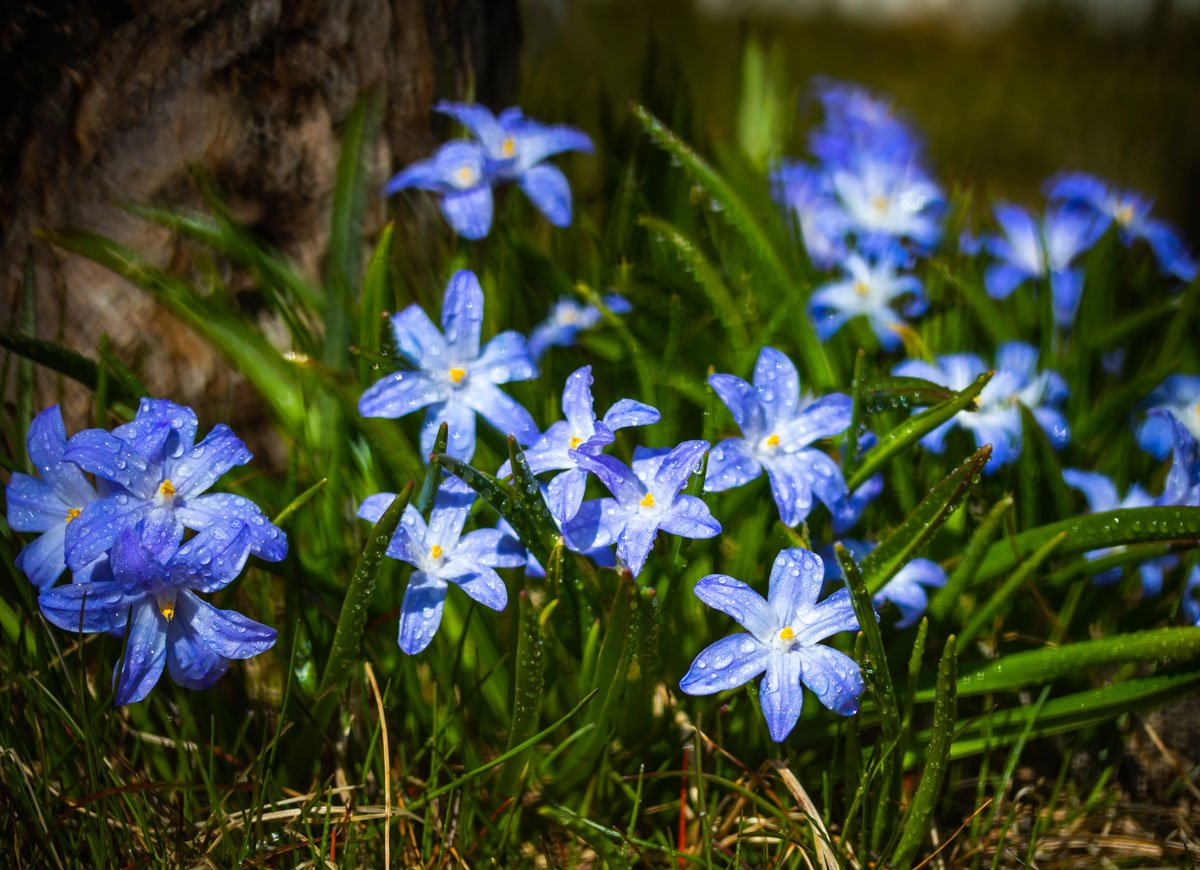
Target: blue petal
<point x="267" y="540"/>
<point x="1054" y="424"/>
<point x="577" y="401"/>
<point x="506" y="414"/>
<point x="635" y="543"/>
<point x="777" y="383"/>
<point x="596" y="524"/>
<point x="826" y="417"/>
<point x="418" y="340"/>
<point x="469" y="212"/>
<point x="730" y="662"/>
<point x="460" y="420"/>
<point x="93" y="531"/>
<point x="505" y="358"/>
<point x="421" y="612"/>
<point x="160" y="430"/>
<point x="462" y="315"/>
<point x="743" y="403"/>
<point x="535" y="142"/>
<point x="833" y="677"/>
<point x="212" y="559"/>
<point x="564" y="495"/>
<point x="33" y="505"/>
<point x="547" y="188"/>
<point x="730" y="464"/>
<point x="486" y="587"/>
<point x="689" y="517"/>
<point x="736" y="599"/>
<point x="133" y="565"/>
<point x="780" y="694"/>
<point x="192" y="664"/>
<point x="227" y="633"/>
<point x="797" y="576"/>
<point x="46" y="439"/>
<point x="1066" y="287"/>
<point x="1173" y="258"/>
<point x="626" y="412"/>
<point x="834" y="614"/>
<point x="450" y="508"/>
<point x="399" y="394"/>
<point x="1001" y="279"/>
<point x="1156" y="436"/>
<point x="203" y="465"/>
<point x="476" y="118"/>
<point x="824" y="477"/>
<point x="88" y="607"/>
<point x="1077" y="187"/>
<point x="145" y="655"/>
<point x="791" y="489"/>
<point x="107" y="456"/>
<point x="43" y="559"/>
<point x="492" y="548"/>
<point x="677" y="466"/>
<point x="614" y="474"/>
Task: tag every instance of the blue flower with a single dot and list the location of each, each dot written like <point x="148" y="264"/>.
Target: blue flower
<point x="516" y="147"/>
<point x="887" y="200"/>
<point x="856" y="121"/>
<point x="778" y="428"/>
<point x="868" y="289"/>
<point x="1182" y="487"/>
<point x="1180" y="396"/>
<point x="567" y="319"/>
<point x="782" y="639"/>
<point x="602" y="556"/>
<point x="1131" y="213"/>
<point x="1101" y="495"/>
<point x="442" y="554"/>
<point x="647" y="498"/>
<point x="162" y="475"/>
<point x="581" y="433"/>
<point x="807" y="192"/>
<point x="454" y="379"/>
<point x="907" y="588"/>
<point x="152" y="597"/>
<point x="1190" y="605"/>
<point x="47" y="504"/>
<point x="1027" y="251"/>
<point x="459" y="172"/>
<point x="997" y="420"/>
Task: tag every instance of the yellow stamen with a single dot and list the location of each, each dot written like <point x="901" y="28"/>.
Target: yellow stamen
<point x="167" y="610"/>
<point x="1196" y="410"/>
<point x="1124" y="214"/>
<point x="773" y="441"/>
<point x="787" y="633"/>
<point x="465" y="175"/>
<point x="436" y="552"/>
<point x="457" y="374"/>
<point x="574" y="442"/>
<point x="861" y="289"/>
<point x="647" y="500"/>
<point x="879" y="203"/>
<point x="509" y="147"/>
<point x="167" y="488"/>
<point x="73" y="513"/>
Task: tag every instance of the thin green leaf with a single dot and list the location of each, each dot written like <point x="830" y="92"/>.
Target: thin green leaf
<point x="947" y="597"/>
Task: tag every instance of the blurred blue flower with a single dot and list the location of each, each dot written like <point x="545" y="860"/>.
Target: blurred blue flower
<point x="516" y="147"/>
<point x="997" y="420"/>
<point x="850" y="510"/>
<point x="782" y="639"/>
<point x="1190" y="604"/>
<point x="1101" y="495"/>
<point x="442" y="554"/>
<point x="579" y="434"/>
<point x="152" y="597"/>
<point x="459" y="172"/>
<point x="1028" y="251"/>
<point x="567" y="319"/>
<point x="907" y="590"/>
<point x="856" y="121"/>
<point x="602" y="556"/>
<point x="1180" y="396"/>
<point x="646" y="498"/>
<point x="161" y="476"/>
<point x="869" y="289"/>
<point x="49" y="503"/>
<point x="778" y="428"/>
<point x="454" y="378"/>
<point x="1130" y="211"/>
<point x="1182" y="487"/>
<point x="887" y="200"/>
<point x="807" y="192"/>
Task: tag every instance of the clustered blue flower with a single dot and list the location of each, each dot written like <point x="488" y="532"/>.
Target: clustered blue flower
<point x="505" y="148"/>
<point x="123" y="538"/>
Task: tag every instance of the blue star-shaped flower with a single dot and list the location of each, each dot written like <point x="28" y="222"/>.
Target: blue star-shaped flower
<point x="782" y="638"/>
<point x="459" y="172"/>
<point x="907" y="590"/>
<point x="997" y="421"/>
<point x="1101" y="495"/>
<point x="567" y="319"/>
<point x="516" y="147"/>
<point x="580" y="433"/>
<point x="47" y="504"/>
<point x="454" y="379"/>
<point x="1026" y="251"/>
<point x="778" y="429"/>
<point x="807" y="193"/>
<point x="162" y="475"/>
<point x="1180" y="396"/>
<point x="1130" y="211"/>
<point x="888" y="199"/>
<point x="1182" y="487"/>
<point x="152" y="596"/>
<point x="646" y="498"/>
<point x="442" y="554"/>
<point x="869" y="289"/>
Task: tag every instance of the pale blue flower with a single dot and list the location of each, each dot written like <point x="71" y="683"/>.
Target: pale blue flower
<point x="868" y="289"/>
<point x="1178" y="395"/>
<point x="567" y="319"/>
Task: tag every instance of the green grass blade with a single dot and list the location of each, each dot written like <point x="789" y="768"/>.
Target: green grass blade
<point x="964" y="572"/>
<point x="70" y="363"/>
<point x="527" y="695"/>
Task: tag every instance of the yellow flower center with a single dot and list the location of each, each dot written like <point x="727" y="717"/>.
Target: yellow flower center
<point x="73" y="513"/>
<point x="509" y="147"/>
<point x="167" y="609"/>
<point x="457" y="374"/>
<point x="787" y="633"/>
<point x="436" y="552"/>
<point x="574" y="442"/>
<point x="879" y="203"/>
<point x="773" y="440"/>
<point x="167" y="489"/>
<point x="861" y="289"/>
<point x="647" y="500"/>
<point x="465" y="175"/>
<point x="1124" y="214"/>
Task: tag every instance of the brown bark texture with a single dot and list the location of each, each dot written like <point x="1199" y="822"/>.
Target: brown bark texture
<point x="116" y="101"/>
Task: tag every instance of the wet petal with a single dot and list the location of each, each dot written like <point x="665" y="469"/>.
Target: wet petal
<point x="730" y="662"/>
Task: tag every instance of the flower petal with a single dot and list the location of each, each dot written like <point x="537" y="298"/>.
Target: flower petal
<point x="192" y="664"/>
<point x="736" y="599"/>
<point x="1100" y="492"/>
<point x="44" y="559"/>
<point x="503" y="412"/>
<point x="459" y="418"/>
<point x="777" y="383"/>
<point x="635" y="543"/>
<point x="797" y="576"/>
<point x="214" y="558"/>
<point x="826" y="417"/>
<point x="833" y="615"/>
<point x="493" y="548"/>
<point x="462" y="315"/>
<point x="677" y="466"/>
<point x="689" y="517"/>
<point x="227" y="633"/>
<point x="107" y="456"/>
<point x="87" y="607"/>
<point x="781" y="695"/>
<point x="730" y="464"/>
<point x="486" y="587"/>
<point x="791" y="488"/>
<point x="267" y="540"/>
<point x="33" y="505"/>
<point x="614" y="474"/>
<point x="418" y="340"/>
<point x="203" y="465"/>
<point x="93" y="531"/>
<point x="730" y="662"/>
<point x="564" y="494"/>
<point x="743" y="403"/>
<point x="596" y="524"/>
<point x="577" y="401"/>
<point x="627" y="412"/>
<point x="833" y="677"/>
<point x="548" y="190"/>
<point x="421" y="612"/>
<point x="469" y="212"/>
<point x="504" y="358"/>
<point x="399" y="394"/>
<point x="145" y="655"/>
